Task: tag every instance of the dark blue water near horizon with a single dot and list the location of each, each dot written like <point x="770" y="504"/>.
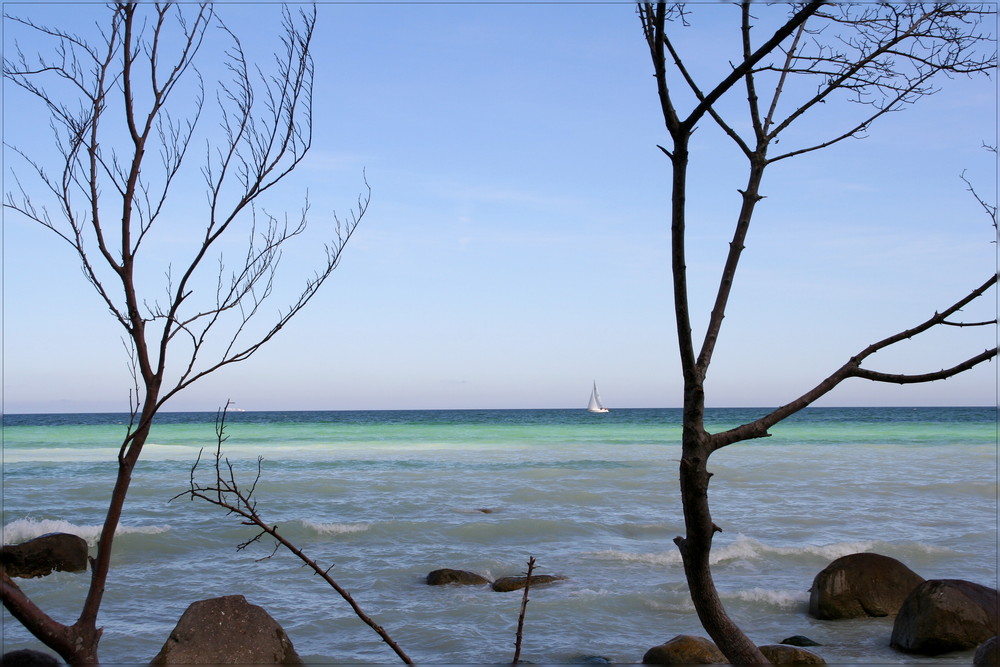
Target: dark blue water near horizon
<point x="668" y="416"/>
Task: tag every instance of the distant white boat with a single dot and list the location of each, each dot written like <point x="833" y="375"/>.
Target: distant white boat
<point x="595" y="401"/>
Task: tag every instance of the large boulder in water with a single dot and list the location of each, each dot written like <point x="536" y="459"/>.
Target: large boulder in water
<point x="40" y="556"/>
<point x="448" y="576"/>
<point x="863" y="584"/>
<point x="785" y="654"/>
<point x="227" y="631"/>
<point x="944" y="615"/>
<point x="685" y="650"/>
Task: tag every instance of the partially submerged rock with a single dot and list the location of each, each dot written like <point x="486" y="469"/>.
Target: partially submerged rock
<point x="864" y="584"/>
<point x="944" y="615"/>
<point x="27" y="657"/>
<point x="507" y="584"/>
<point x="38" y="557"/>
<point x="227" y="631"/>
<point x="685" y="650"/>
<point x="694" y="650"/>
<point x="461" y="577"/>
<point x="988" y="653"/>
<point x="784" y="654"/>
<point x="799" y="640"/>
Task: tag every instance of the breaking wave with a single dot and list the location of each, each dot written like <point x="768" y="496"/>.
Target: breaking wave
<point x="21" y="530"/>
<point x="784" y="599"/>
<point x="336" y="528"/>
<point x="745" y="548"/>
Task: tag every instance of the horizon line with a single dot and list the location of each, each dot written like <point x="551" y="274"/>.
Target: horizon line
<point x="729" y="407"/>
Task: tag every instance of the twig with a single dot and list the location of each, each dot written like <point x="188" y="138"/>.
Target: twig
<point x="524" y="607"/>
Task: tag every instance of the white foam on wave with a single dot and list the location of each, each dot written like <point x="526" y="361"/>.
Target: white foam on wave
<point x="25" y="529"/>
<point x="778" y="598"/>
<point x="660" y="558"/>
<point x="745" y="548"/>
<point x="336" y="528"/>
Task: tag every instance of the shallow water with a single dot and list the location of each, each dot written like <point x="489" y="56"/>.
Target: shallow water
<point x="387" y="497"/>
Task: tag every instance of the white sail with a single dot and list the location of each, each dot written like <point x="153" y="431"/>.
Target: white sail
<point x="595" y="401"/>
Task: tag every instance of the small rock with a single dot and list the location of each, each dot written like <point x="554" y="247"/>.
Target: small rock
<point x="507" y="584"/>
<point x="988" y="653"/>
<point x="799" y="640"/>
<point x="227" y="631"/>
<point x="449" y="576"/>
<point x="26" y="657"/>
<point x="685" y="650"/>
<point x="783" y="654"/>
<point x="40" y="556"/>
<point x="944" y="615"/>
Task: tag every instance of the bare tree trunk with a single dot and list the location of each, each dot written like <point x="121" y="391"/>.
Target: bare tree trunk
<point x="695" y="550"/>
<point x="101" y="564"/>
<point x="696" y="546"/>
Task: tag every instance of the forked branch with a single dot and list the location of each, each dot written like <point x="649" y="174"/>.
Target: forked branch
<point x="759" y="428"/>
<point x="225" y="491"/>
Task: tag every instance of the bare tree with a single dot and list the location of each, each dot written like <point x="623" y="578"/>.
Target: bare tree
<point x="882" y="57"/>
<point x="127" y="109"/>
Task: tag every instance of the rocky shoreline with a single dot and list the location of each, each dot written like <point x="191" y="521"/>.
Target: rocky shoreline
<point x="932" y="617"/>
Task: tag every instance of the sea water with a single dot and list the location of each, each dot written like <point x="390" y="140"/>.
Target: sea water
<point x="385" y="497"/>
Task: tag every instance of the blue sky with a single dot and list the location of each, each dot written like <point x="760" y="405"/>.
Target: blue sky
<point x="516" y="245"/>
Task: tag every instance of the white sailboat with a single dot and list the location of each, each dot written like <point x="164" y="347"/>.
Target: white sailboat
<point x="595" y="401"/>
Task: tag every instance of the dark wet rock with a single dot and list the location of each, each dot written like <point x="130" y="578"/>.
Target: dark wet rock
<point x="592" y="660"/>
<point x="685" y="650"/>
<point x="448" y="576"/>
<point x="507" y="584"/>
<point x="799" y="640"/>
<point x="40" y="556"/>
<point x="27" y="657"/>
<point x="783" y="654"/>
<point x="988" y="653"/>
<point x="227" y="631"/>
<point x="944" y="615"/>
<point x="861" y="585"/>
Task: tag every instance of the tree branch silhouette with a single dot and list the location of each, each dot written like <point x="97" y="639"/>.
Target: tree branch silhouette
<point x="225" y="491"/>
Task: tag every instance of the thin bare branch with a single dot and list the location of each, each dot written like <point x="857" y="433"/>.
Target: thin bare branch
<point x="225" y="491"/>
<point x="943" y="374"/>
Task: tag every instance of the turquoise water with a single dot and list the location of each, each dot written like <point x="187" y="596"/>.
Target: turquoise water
<point x="387" y="496"/>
